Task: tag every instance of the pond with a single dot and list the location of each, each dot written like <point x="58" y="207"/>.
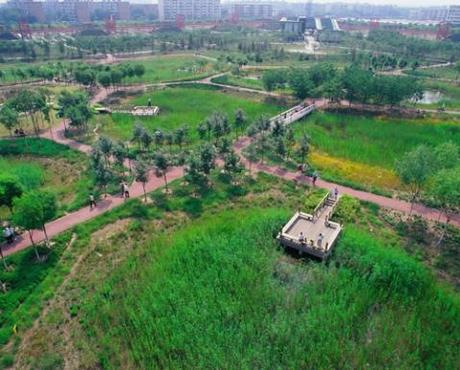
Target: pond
<point x="431" y="97"/>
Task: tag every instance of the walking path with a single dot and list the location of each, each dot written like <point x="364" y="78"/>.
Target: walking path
<point x="59" y="225"/>
<point x="391" y="203"/>
<point x="84" y="214"/>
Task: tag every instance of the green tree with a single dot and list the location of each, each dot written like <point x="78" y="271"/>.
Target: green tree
<point x="9" y="118"/>
<point x="158" y="138"/>
<point x="304" y="148"/>
<point x="414" y="169"/>
<point x="105" y="146"/>
<point x="207" y="158"/>
<point x="180" y="136"/>
<point x="10" y="188"/>
<point x="104" y="78"/>
<point x="240" y="121"/>
<point x="33" y="210"/>
<point x="445" y="189"/>
<point x="146" y="139"/>
<point x="447" y="155"/>
<point x="301" y="83"/>
<point x="162" y="164"/>
<point x="102" y="176"/>
<point x="193" y="172"/>
<point x="141" y="174"/>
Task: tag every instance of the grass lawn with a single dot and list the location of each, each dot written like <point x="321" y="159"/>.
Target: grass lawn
<point x="219" y="293"/>
<point x="43" y="164"/>
<point x="183" y="106"/>
<point x="364" y="149"/>
<point x="243" y="81"/>
<point x="449" y="73"/>
<point x="173" y="68"/>
<point x="201" y="280"/>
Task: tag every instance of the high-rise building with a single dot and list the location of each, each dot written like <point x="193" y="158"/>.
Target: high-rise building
<point x="454" y="14"/>
<point x="29" y="9"/>
<point x="252" y="10"/>
<point x="191" y="10"/>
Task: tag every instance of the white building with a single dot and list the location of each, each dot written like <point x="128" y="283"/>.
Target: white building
<point x="191" y="10"/>
<point x="454" y="14"/>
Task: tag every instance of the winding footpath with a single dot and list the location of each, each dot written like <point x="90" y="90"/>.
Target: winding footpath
<point x="385" y="202"/>
<point x="136" y="191"/>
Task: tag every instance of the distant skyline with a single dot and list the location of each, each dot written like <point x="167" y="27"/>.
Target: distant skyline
<point x="400" y="3"/>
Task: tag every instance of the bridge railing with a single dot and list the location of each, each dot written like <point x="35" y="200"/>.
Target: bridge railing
<point x="293" y="114"/>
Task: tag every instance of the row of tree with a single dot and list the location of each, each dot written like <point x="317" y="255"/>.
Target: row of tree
<point x="82" y="73"/>
<point x="30" y="209"/>
<point x="355" y="84"/>
<point x="28" y="105"/>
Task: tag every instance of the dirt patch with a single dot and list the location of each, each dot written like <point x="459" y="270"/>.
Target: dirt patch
<point x="58" y="338"/>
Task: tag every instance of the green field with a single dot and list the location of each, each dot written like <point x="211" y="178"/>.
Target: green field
<point x="449" y="73"/>
<point x="362" y="150"/>
<point x="201" y="280"/>
<point x="220" y="294"/>
<point x="375" y="140"/>
<point x="183" y="106"/>
<point x="243" y="81"/>
<point x="173" y="68"/>
<point x="46" y="165"/>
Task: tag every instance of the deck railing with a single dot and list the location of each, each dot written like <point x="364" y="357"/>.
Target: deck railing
<point x="321" y="205"/>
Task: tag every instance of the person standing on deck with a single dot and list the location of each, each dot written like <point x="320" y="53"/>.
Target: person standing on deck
<point x="320" y="240"/>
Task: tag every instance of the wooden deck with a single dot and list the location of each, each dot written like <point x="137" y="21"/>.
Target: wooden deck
<point x="309" y="227"/>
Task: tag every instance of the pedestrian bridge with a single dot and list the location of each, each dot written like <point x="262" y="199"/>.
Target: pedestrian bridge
<point x="313" y="234"/>
<point x="294" y="114"/>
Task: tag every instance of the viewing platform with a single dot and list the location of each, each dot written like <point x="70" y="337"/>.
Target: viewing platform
<point x="313" y="234"/>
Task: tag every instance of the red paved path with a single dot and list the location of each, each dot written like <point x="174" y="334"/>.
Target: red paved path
<point x="395" y="204"/>
<point x="57" y="226"/>
<point x="84" y="214"/>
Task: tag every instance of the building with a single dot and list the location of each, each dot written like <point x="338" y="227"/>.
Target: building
<point x="301" y="25"/>
<point x="117" y="9"/>
<point x="76" y="11"/>
<point x="143" y="11"/>
<point x="190" y="10"/>
<point x="453" y="16"/>
<point x="33" y="11"/>
<point x="252" y="10"/>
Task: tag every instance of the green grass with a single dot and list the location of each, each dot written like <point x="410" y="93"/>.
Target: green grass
<point x="218" y="293"/>
<point x="44" y="164"/>
<point x="173" y="68"/>
<point x="242" y="81"/>
<point x="210" y="287"/>
<point x="183" y="106"/>
<point x="361" y="151"/>
<point x="372" y="140"/>
<point x="448" y="73"/>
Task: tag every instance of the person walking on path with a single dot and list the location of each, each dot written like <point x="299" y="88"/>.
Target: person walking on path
<point x="92" y="202"/>
<point x="125" y="190"/>
<point x="314" y="178"/>
<point x="122" y="189"/>
<point x="336" y="193"/>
